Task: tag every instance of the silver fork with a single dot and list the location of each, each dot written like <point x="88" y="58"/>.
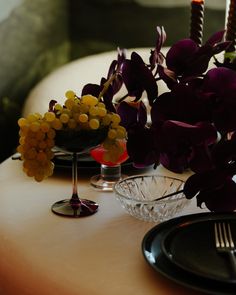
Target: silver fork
<point x="224" y="243"/>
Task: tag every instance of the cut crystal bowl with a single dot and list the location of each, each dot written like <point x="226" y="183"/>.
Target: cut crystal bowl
<point x="139" y="195"/>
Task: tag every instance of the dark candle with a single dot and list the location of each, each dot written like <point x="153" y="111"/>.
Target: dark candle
<point x="196" y="25"/>
<point x="231" y="26"/>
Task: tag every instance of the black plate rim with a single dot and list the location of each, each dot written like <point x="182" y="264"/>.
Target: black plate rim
<point x="184" y="278"/>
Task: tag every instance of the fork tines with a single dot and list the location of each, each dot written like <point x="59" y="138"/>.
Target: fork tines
<point x="223" y="235"/>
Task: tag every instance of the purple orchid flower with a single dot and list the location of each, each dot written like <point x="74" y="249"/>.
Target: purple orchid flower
<point x="219" y="88"/>
<point x="138" y="78"/>
<point x="215" y="188"/>
<point x="183" y="103"/>
<point x="145" y="155"/>
<point x="187" y="59"/>
<point x="156" y="57"/>
<point x="132" y="114"/>
<point x="186" y="146"/>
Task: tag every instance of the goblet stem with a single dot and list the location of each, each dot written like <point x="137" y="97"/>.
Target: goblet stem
<point x="75" y="207"/>
<point x="75" y="198"/>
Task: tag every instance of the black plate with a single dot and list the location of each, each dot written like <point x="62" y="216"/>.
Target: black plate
<point x="191" y="246"/>
<point x="84" y="161"/>
<point x="153" y="254"/>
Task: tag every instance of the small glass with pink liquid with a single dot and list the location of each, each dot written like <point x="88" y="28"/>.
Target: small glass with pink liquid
<point x="110" y="172"/>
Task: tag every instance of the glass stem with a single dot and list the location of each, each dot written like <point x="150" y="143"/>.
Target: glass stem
<point x="75" y="198"/>
<point x="111" y="173"/>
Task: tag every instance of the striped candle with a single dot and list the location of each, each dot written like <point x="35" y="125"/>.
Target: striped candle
<point x="196" y="24"/>
<point x="231" y="26"/>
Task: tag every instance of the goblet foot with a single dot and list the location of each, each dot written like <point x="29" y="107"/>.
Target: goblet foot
<point x="67" y="208"/>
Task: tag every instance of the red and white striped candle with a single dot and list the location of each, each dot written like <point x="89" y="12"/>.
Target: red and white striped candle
<point x="196" y="24"/>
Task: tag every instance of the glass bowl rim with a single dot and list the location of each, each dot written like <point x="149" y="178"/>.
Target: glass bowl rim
<point x="170" y="199"/>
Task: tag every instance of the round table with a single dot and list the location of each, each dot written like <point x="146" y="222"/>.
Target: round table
<point x="42" y="253"/>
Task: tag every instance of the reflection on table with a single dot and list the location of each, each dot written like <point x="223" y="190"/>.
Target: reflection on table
<point x="42" y="253"/>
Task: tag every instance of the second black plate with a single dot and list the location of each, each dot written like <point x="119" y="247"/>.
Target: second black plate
<point x="191" y="246"/>
<point x="153" y="253"/>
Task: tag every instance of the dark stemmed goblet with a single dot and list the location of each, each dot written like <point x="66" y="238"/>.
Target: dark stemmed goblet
<point x="75" y="143"/>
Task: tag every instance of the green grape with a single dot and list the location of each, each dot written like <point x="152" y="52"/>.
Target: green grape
<point x="31" y="118"/>
<point x="70" y="94"/>
<point x="72" y="124"/>
<point x="22" y="122"/>
<point x="58" y="107"/>
<point x="69" y="103"/>
<point x="102" y="112"/>
<point x="115" y="118"/>
<point x="35" y="126"/>
<point x="64" y="118"/>
<point x="94" y="124"/>
<point x="106" y="120"/>
<point x="112" y="134"/>
<point x="49" y="116"/>
<point x="57" y="124"/>
<point x="89" y="100"/>
<point x="44" y="127"/>
<point x="51" y="133"/>
<point x="93" y="111"/>
<point x="83" y="118"/>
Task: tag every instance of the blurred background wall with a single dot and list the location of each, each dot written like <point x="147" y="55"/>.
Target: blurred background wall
<point x="37" y="36"/>
<point x="106" y="24"/>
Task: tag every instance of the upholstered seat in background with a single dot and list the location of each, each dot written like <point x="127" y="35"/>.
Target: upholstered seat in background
<point x="38" y="36"/>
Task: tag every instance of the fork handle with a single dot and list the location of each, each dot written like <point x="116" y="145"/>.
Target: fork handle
<point x="233" y="262"/>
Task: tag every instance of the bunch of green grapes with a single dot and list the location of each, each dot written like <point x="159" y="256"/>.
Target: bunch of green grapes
<point x="36" y="141"/>
<point x="37" y="132"/>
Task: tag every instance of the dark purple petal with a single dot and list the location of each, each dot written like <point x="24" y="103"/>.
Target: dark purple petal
<point x="51" y="105"/>
<point x="179" y="54"/>
<point x="220" y="47"/>
<point x="132" y="114"/>
<point x="201" y="159"/>
<point x="182" y="143"/>
<point x="220" y="84"/>
<point x="92" y="89"/>
<point x="167" y="76"/>
<point x="216" y="38"/>
<point x="143" y="154"/>
<point x="112" y="68"/>
<point x="161" y="38"/>
<point x="220" y="80"/>
<point x="183" y="103"/>
<point x="204" y="181"/>
<point x="224" y="152"/>
<point x="138" y="77"/>
<point x="108" y="96"/>
<point x="220" y="200"/>
<point x="156" y="57"/>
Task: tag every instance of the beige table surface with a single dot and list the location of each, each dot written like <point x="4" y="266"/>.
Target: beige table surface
<point x="42" y="253"/>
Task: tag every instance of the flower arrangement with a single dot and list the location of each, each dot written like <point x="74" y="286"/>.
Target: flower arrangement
<point x="192" y="125"/>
